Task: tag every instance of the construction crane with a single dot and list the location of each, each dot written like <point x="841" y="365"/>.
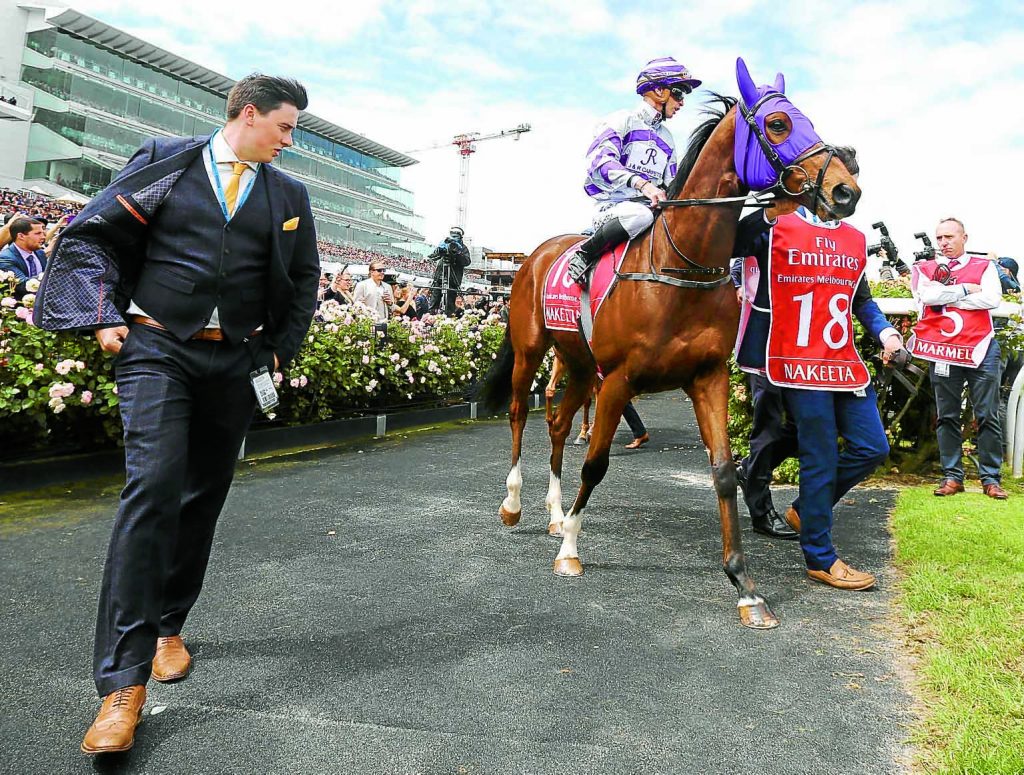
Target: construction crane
<point x="466" y="146"/>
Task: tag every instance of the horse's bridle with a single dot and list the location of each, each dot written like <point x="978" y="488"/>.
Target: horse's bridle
<point x="781" y="168"/>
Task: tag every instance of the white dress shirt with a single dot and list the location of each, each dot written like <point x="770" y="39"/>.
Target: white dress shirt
<point x="370" y="296"/>
<point x="931" y="293"/>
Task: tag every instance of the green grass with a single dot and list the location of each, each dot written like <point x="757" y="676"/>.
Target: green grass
<point x="963" y="602"/>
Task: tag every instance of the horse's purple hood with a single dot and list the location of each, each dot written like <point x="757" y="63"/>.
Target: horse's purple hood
<point x="754" y="168"/>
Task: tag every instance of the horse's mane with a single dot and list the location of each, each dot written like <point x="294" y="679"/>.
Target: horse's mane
<point x="700" y="138"/>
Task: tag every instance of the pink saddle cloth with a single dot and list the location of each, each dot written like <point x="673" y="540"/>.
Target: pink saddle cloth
<point x="562" y="294"/>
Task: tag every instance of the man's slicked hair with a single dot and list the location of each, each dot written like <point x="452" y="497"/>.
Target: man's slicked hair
<point x="954" y="220"/>
<point x="266" y="92"/>
<point x="23" y="226"/>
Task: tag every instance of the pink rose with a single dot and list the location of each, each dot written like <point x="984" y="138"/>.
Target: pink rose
<point x="86" y="397"/>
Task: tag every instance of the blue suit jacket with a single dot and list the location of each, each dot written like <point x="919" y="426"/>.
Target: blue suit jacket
<point x="752" y="240"/>
<point x="11" y="261"/>
<point x="98" y="258"/>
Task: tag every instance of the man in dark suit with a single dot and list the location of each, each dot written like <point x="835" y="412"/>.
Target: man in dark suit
<point x="24" y="256"/>
<point x="197" y="267"/>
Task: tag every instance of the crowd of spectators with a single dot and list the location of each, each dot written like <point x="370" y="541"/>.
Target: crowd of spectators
<point x="390" y="298"/>
<point x="29" y="225"/>
<point x="350" y="254"/>
<point x="35" y="205"/>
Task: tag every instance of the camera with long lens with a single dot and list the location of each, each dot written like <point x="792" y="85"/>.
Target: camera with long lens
<point x="892" y="267"/>
<point x="929" y="251"/>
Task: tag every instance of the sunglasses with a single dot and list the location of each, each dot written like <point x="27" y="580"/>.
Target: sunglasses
<point x="376" y="269"/>
<point x="678" y="92"/>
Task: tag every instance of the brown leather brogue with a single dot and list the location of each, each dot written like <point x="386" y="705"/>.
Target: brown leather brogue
<point x="948" y="487"/>
<point x="638" y="442"/>
<point x="995" y="491"/>
<point x="793" y="518"/>
<point x="842" y="576"/>
<point x="114" y="727"/>
<point x="172" y="660"/>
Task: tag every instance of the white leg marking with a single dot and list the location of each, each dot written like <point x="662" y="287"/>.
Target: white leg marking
<point x="747" y="600"/>
<point x="571" y="523"/>
<point x="554" y="498"/>
<point x="514" y="483"/>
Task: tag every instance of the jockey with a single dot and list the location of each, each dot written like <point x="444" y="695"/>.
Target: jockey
<point x="632" y="158"/>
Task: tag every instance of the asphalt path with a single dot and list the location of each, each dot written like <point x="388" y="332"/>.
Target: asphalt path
<point x="367" y="612"/>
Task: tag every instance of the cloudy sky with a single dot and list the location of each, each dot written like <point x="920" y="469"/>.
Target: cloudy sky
<point x="929" y="91"/>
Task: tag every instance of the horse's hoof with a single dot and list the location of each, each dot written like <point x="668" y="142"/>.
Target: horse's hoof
<point x="510" y="518"/>
<point x="581" y="441"/>
<point x="555" y="529"/>
<point x="568" y="566"/>
<point x="758" y="616"/>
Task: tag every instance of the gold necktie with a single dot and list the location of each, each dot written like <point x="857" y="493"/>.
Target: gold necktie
<point x="231" y="192"/>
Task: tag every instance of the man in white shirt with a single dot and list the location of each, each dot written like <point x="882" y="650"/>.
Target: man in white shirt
<point x="374" y="295"/>
<point x="955" y="293"/>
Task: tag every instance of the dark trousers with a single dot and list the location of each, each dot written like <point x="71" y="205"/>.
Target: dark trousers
<point x="185" y="408"/>
<point x="826" y="474"/>
<point x="632" y="418"/>
<point x="446" y="282"/>
<point x="772" y="440"/>
<point x="983" y="387"/>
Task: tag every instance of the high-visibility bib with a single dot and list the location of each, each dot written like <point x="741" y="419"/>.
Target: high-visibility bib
<point x="814" y="271"/>
<point x="947" y="334"/>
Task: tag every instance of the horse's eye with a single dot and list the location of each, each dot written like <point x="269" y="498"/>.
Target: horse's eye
<point x="778" y="125"/>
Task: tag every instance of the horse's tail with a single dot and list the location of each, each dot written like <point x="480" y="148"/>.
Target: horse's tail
<point x="496" y="389"/>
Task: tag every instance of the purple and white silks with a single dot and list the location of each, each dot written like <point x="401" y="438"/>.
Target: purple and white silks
<point x="753" y="167"/>
<point x="626" y="144"/>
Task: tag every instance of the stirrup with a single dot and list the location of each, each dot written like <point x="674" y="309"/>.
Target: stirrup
<point x="577" y="268"/>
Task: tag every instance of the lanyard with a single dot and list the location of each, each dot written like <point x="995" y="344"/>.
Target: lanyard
<point x="242" y="195"/>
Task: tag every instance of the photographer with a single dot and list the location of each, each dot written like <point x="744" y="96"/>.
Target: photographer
<point x="452" y="257"/>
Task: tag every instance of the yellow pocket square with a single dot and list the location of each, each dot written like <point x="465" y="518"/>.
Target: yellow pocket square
<point x="290" y="225"/>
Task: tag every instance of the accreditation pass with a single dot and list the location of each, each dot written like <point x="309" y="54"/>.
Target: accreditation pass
<point x="263" y="384"/>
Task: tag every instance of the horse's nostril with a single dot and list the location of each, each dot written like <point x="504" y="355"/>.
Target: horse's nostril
<point x="842" y="194"/>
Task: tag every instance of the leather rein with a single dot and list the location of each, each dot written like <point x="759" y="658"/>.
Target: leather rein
<point x="764" y="198"/>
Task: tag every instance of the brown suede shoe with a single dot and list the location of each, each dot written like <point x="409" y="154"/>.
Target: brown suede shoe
<point x="639" y="442"/>
<point x="114" y="727"/>
<point x="172" y="661"/>
<point x="948" y="487"/>
<point x="842" y="576"/>
<point x="995" y="491"/>
<point x="792" y="518"/>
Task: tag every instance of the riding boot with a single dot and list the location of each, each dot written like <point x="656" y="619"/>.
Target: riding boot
<point x="608" y="235"/>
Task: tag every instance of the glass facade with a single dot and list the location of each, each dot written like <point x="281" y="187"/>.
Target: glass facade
<point x="114" y="104"/>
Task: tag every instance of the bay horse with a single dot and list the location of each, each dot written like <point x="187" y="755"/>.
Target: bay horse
<point x="671" y="321"/>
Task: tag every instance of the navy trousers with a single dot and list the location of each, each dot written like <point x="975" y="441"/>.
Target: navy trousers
<point x="185" y="407"/>
<point x="983" y="387"/>
<point x="826" y="474"/>
<point x="772" y="440"/>
<point x="632" y="418"/>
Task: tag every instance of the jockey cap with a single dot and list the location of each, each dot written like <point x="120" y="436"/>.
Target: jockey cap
<point x="664" y="72"/>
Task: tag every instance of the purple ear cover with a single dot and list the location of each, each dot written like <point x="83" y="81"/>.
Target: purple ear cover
<point x="753" y="167"/>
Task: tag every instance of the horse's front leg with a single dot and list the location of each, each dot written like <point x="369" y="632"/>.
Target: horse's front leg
<point x="710" y="395"/>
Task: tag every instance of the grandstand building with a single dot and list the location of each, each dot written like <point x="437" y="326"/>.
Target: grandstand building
<point x="89" y="94"/>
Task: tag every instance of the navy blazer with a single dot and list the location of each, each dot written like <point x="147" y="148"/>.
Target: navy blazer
<point x="97" y="259"/>
<point x="752" y="240"/>
<point x="11" y="261"/>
